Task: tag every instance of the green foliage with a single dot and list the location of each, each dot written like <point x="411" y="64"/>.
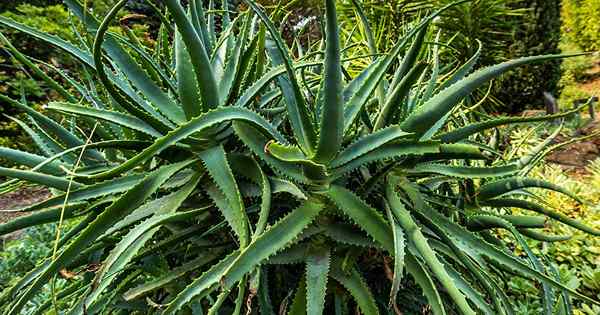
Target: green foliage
<point x="581" y="23"/>
<point x="209" y="169"/>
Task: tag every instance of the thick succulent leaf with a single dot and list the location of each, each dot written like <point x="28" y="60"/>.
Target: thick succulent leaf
<point x="75" y="51"/>
<point x="420" y="243"/>
<point x="67" y="211"/>
<point x="528" y="205"/>
<point x="233" y="268"/>
<point x="392" y="105"/>
<point x="197" y="124"/>
<point x="409" y="59"/>
<point x="422" y="277"/>
<point x="35" y="69"/>
<point x="363" y="215"/>
<point x="131" y="243"/>
<point x="478" y="248"/>
<point x="49" y="125"/>
<point x="60" y="183"/>
<point x="368" y="143"/>
<point x="126" y="203"/>
<point x="317" y="272"/>
<point x="118" y="118"/>
<point x="466" y="171"/>
<point x="503" y="186"/>
<point x="355" y="104"/>
<point x="234" y="212"/>
<point x="271" y="241"/>
<point x="187" y="83"/>
<point x="332" y="117"/>
<point x="298" y="306"/>
<point x="440" y="104"/>
<point x="354" y="283"/>
<point x="399" y="253"/>
<point x="298" y="114"/>
<point x="199" y="22"/>
<point x="88" y="192"/>
<point x="44" y="143"/>
<point x="465" y="69"/>
<point x="31" y="160"/>
<point x="371" y="43"/>
<point x="389" y="151"/>
<point x="126" y="63"/>
<point x="548" y="293"/>
<point x="162" y="281"/>
<point x="463" y="133"/>
<point x="234" y="62"/>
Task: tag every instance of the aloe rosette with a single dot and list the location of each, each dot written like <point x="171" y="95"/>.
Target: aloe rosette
<point x="193" y="169"/>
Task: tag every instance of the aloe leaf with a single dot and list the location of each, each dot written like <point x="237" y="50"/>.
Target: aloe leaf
<point x="332" y="117"/>
<point x="418" y="240"/>
<point x="364" y="22"/>
<point x="41" y="217"/>
<point x="464" y="132"/>
<point x="53" y="127"/>
<point x="476" y="247"/>
<point x="234" y="212"/>
<point x="173" y="275"/>
<point x="126" y="203"/>
<point x="354" y="105"/>
<point x="256" y="142"/>
<point x="421" y="275"/>
<point x="466" y="171"/>
<point x="80" y="54"/>
<point x="503" y="186"/>
<point x="88" y="192"/>
<point x="367" y="218"/>
<point x="440" y="104"/>
<point x="368" y="143"/>
<point x="271" y="241"/>
<point x="118" y="118"/>
<point x="131" y="243"/>
<point x="233" y="65"/>
<point x="542" y="237"/>
<point x="297" y="111"/>
<point x="435" y="71"/>
<point x="399" y="254"/>
<point x="44" y="143"/>
<point x="472" y="294"/>
<point x="199" y="21"/>
<point x="187" y="83"/>
<point x="317" y="271"/>
<point x="36" y="70"/>
<point x="233" y="268"/>
<point x="298" y="306"/>
<point x="59" y="183"/>
<point x="465" y="69"/>
<point x="548" y="298"/>
<point x="409" y="59"/>
<point x="197" y="124"/>
<point x="392" y="104"/>
<point x="31" y="160"/>
<point x="528" y="205"/>
<point x="125" y="62"/>
<point x="354" y="283"/>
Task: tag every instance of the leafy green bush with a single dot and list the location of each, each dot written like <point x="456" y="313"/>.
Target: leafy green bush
<point x="190" y="200"/>
<point x="581" y="23"/>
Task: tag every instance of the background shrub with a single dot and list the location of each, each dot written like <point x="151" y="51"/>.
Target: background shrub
<point x="581" y="23"/>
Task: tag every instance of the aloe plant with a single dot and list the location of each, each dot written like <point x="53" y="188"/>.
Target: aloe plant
<point x="194" y="170"/>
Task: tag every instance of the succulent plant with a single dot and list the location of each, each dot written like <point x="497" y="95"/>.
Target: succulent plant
<point x="193" y="171"/>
